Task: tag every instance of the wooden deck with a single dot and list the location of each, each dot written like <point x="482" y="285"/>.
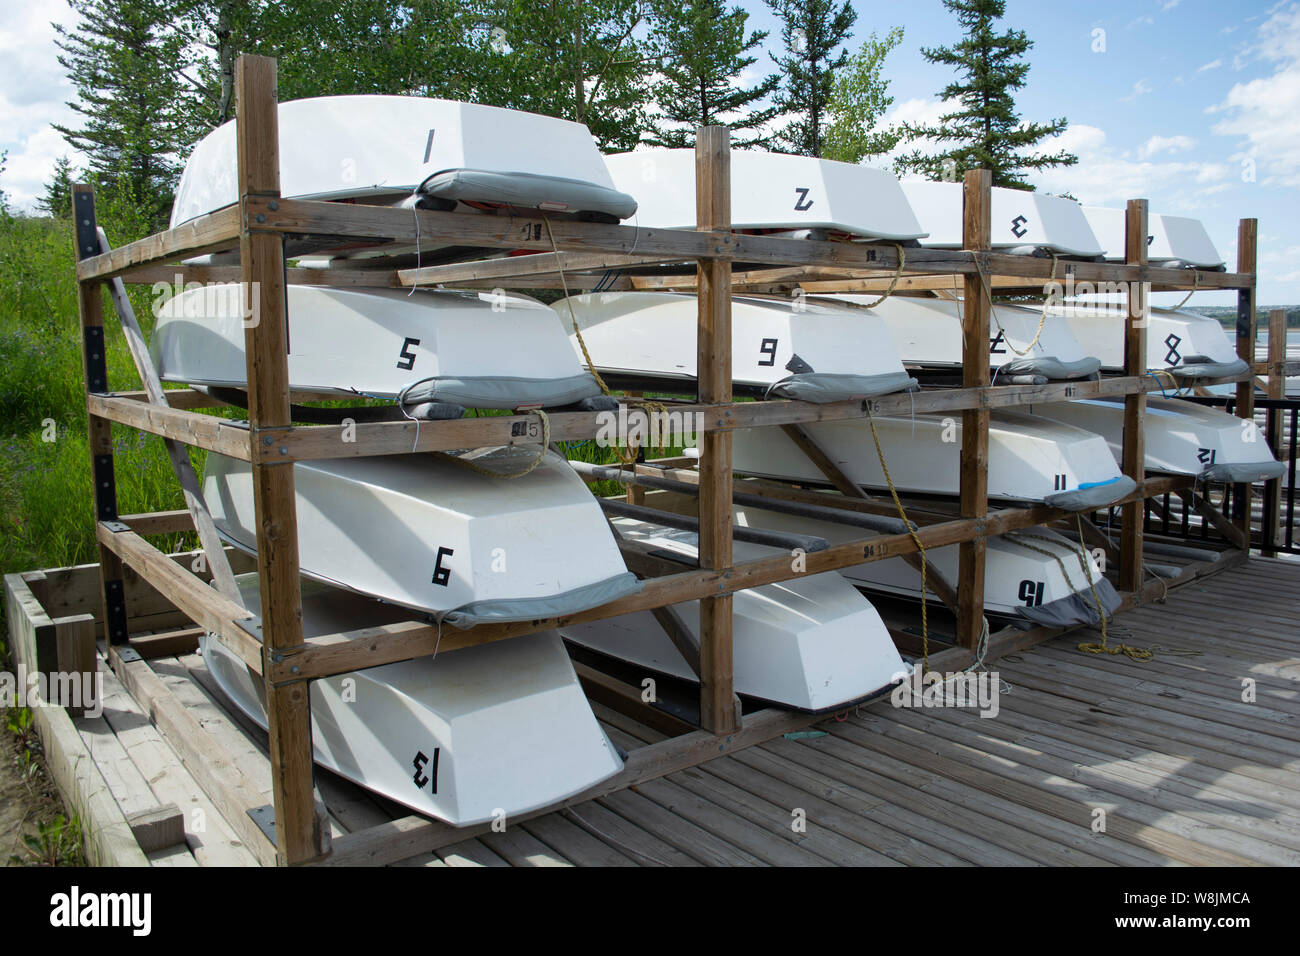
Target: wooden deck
<point x="1184" y="770"/>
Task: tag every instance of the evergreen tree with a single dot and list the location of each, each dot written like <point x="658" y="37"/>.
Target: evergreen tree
<point x="579" y="60"/>
<point x="123" y="58"/>
<point x="57" y="200"/>
<point x="858" y="101"/>
<point x="702" y="49"/>
<point x="985" y="130"/>
<point x="811" y="32"/>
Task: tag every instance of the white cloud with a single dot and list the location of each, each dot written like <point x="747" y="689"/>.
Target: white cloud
<point x="1212" y="65"/>
<point x="1140" y="88"/>
<point x="1261" y="112"/>
<point x="1105" y="174"/>
<point x="1165" y="144"/>
<point x="1169" y="5"/>
<point x="33" y="94"/>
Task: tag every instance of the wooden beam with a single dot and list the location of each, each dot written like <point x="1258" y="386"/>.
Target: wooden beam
<point x="208" y="233"/>
<point x="191" y="428"/>
<point x="976" y="237"/>
<point x="1247" y="255"/>
<point x="222" y="577"/>
<point x="1135" y="363"/>
<point x="261" y="254"/>
<point x="713" y="213"/>
<point x="542" y="263"/>
<point x="1276" y="389"/>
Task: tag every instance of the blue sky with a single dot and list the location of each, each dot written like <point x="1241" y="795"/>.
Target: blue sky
<point x="1173" y="102"/>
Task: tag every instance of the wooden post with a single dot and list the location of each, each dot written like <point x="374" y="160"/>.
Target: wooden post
<point x="1135" y="365"/>
<point x="976" y="237"/>
<point x="261" y="254"/>
<point x="713" y="369"/>
<point x="75" y="638"/>
<point x="1276" y="381"/>
<point x="90" y="303"/>
<point x="1247" y="246"/>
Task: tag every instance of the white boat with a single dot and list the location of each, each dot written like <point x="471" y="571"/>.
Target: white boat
<point x="1030" y="459"/>
<point x="792" y="348"/>
<point x="929" y="332"/>
<point x="770" y="192"/>
<point x="384" y="149"/>
<point x="426" y="532"/>
<point x="477" y="350"/>
<point x="1185" y="344"/>
<point x="1022" y="221"/>
<point x="1020" y="580"/>
<point x="463" y="736"/>
<point x="812" y="643"/>
<point x="1180" y="437"/>
<point x="1172" y="241"/>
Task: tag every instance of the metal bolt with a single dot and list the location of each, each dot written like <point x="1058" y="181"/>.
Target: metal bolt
<point x="293" y="669"/>
<point x="273" y="205"/>
<point x="277" y="658"/>
<point x="260" y="218"/>
<point x="284" y="450"/>
<point x="267" y="440"/>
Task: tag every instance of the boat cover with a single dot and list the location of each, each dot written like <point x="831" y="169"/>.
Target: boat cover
<point x="1245" y="472"/>
<point x="1051" y="368"/>
<point x="1097" y="494"/>
<point x="529" y="190"/>
<point x="824" y="387"/>
<point x="1073" y="609"/>
<point x="540" y="608"/>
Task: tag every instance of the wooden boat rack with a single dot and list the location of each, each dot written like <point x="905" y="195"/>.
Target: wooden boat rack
<point x="263" y="225"/>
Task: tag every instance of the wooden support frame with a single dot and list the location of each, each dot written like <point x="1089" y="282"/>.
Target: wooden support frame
<point x="1135" y="364"/>
<point x="258" y="227"/>
<point x="1276" y="389"/>
<point x="977" y="205"/>
<point x="1247" y="255"/>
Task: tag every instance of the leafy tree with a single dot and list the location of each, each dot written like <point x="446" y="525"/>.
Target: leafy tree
<point x="859" y="100"/>
<point x="123" y="59"/>
<point x="985" y="130"/>
<point x="580" y="60"/>
<point x="702" y="49"/>
<point x="811" y="32"/>
<point x="57" y="200"/>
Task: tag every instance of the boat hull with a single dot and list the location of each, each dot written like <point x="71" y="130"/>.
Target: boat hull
<point x="377" y="343"/>
<point x="465" y="736"/>
<point x="812" y="643"/>
<point x="1019" y="219"/>
<point x="653" y="334"/>
<point x="426" y="533"/>
<point x="1029" y="459"/>
<point x="769" y="191"/>
<point x="1179" y="437"/>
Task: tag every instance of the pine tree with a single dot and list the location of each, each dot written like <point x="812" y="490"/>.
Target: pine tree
<point x="811" y="32"/>
<point x="57" y="200"/>
<point x="702" y="49"/>
<point x="123" y="58"/>
<point x="579" y="60"/>
<point x="986" y="131"/>
<point x="859" y="100"/>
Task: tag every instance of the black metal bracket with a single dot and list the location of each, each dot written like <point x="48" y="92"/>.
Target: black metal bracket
<point x="83" y="208"/>
<point x="105" y="488"/>
<point x="115" y="611"/>
<point x="96" y="360"/>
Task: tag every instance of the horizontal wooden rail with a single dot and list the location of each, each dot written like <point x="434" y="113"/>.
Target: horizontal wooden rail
<point x="212" y="232"/>
<point x="369" y="647"/>
<point x="189" y="593"/>
<point x="321" y="442"/>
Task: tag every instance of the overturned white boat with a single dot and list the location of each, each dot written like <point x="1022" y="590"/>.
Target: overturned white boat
<point x="1184" y="344"/>
<point x="1024" y="347"/>
<point x="1022" y="221"/>
<point x="436" y="153"/>
<point x="429" y="533"/>
<point x="1180" y="437"/>
<point x="1029" y="459"/>
<point x="812" y="643"/>
<point x="795" y="348"/>
<point x="425" y="348"/>
<point x="1175" y="242"/>
<point x="463" y="736"/>
<point x="770" y="192"/>
<point x="1035" y="575"/>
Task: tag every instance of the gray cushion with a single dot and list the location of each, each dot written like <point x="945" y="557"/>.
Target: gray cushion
<point x="528" y="190"/>
<point x="825" y="387"/>
<point x="501" y="391"/>
<point x="1095" y="496"/>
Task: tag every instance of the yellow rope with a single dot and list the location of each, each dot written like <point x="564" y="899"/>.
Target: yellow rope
<point x="893" y="283"/>
<point x="1196" y="284"/>
<point x="920" y="548"/>
<point x="1042" y="318"/>
<point x="532" y="466"/>
<point x="573" y="316"/>
<point x="651" y="409"/>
